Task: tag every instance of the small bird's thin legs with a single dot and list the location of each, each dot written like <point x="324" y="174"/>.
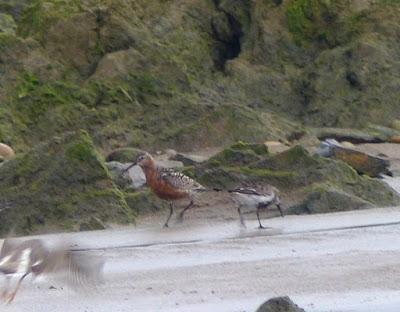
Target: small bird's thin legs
<point x="258" y="217"/>
<point x="280" y="209"/>
<point x="241" y="217"/>
<point x="180" y="218"/>
<point x="171" y="211"/>
<point x="12" y="296"/>
<point x="4" y="293"/>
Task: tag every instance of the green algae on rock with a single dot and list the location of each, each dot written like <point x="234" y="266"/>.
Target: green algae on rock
<point x="127" y="71"/>
<point x="311" y="183"/>
<point x="59" y="185"/>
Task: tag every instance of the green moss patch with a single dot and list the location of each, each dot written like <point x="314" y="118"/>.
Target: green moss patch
<point x="321" y="21"/>
<point x="298" y="175"/>
<point x="59" y="185"/>
<point x="7" y="24"/>
<point x="41" y="14"/>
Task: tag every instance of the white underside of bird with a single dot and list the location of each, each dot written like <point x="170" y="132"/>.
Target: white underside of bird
<point x="252" y="200"/>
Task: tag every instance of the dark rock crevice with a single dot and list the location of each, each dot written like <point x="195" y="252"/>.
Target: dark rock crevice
<point x="228" y="32"/>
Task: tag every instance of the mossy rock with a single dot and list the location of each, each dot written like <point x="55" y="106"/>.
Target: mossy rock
<point x="145" y="73"/>
<point x="323" y="198"/>
<point x="143" y="202"/>
<point x="59" y="185"/>
<point x="124" y="155"/>
<point x="371" y="134"/>
<point x="92" y="224"/>
<point x="298" y="174"/>
<point x="363" y="163"/>
<point x="294" y="158"/>
<point x="309" y="169"/>
<point x="239" y="153"/>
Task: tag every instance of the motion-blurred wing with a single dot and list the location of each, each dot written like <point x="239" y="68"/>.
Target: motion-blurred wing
<point x="80" y="269"/>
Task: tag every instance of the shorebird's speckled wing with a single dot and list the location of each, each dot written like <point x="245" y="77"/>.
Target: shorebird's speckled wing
<point x="271" y="191"/>
<point x="180" y="181"/>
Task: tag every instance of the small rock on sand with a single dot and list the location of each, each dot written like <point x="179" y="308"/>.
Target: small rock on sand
<point x="279" y="304"/>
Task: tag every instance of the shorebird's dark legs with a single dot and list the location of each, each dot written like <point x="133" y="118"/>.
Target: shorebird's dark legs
<point x="280" y="209"/>
<point x="180" y="218"/>
<point x="171" y="211"/>
<point x="241" y="216"/>
<point x="258" y="217"/>
<point x="16" y="288"/>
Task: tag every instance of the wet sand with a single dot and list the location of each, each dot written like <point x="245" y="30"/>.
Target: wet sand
<point x="345" y="261"/>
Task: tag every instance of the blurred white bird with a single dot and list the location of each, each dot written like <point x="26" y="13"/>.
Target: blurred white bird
<point x="21" y="258"/>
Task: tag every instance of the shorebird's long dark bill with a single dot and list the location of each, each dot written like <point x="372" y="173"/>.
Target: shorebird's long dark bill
<point x="129" y="167"/>
<point x="280" y="210"/>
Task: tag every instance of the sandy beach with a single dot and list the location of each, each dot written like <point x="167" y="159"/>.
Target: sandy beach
<point x="345" y="261"/>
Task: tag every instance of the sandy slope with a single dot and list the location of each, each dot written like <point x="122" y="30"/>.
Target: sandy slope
<point x="204" y="266"/>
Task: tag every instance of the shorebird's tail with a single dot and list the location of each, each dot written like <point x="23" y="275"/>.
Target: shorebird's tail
<point x="206" y="189"/>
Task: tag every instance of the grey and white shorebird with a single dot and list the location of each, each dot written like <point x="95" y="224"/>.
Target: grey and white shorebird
<point x="21" y="258"/>
<point x="251" y="198"/>
<point x="168" y="184"/>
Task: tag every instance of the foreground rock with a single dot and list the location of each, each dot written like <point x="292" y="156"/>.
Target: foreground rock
<point x="309" y="184"/>
<point x="279" y="304"/>
<point x="60" y="185"/>
<point x="134" y="178"/>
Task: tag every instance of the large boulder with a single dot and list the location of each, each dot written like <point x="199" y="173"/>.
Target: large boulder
<point x="133" y="178"/>
<point x="360" y="161"/>
<point x="59" y="185"/>
<point x="322" y="198"/>
<point x="279" y="304"/>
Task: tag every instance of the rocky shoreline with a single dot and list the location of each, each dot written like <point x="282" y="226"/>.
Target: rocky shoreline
<point x="66" y="185"/>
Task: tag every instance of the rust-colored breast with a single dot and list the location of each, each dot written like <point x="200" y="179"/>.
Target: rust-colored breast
<point x="163" y="189"/>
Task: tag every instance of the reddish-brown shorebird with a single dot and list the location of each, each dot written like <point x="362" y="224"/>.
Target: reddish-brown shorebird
<point x="168" y="184"/>
<point x="19" y="259"/>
